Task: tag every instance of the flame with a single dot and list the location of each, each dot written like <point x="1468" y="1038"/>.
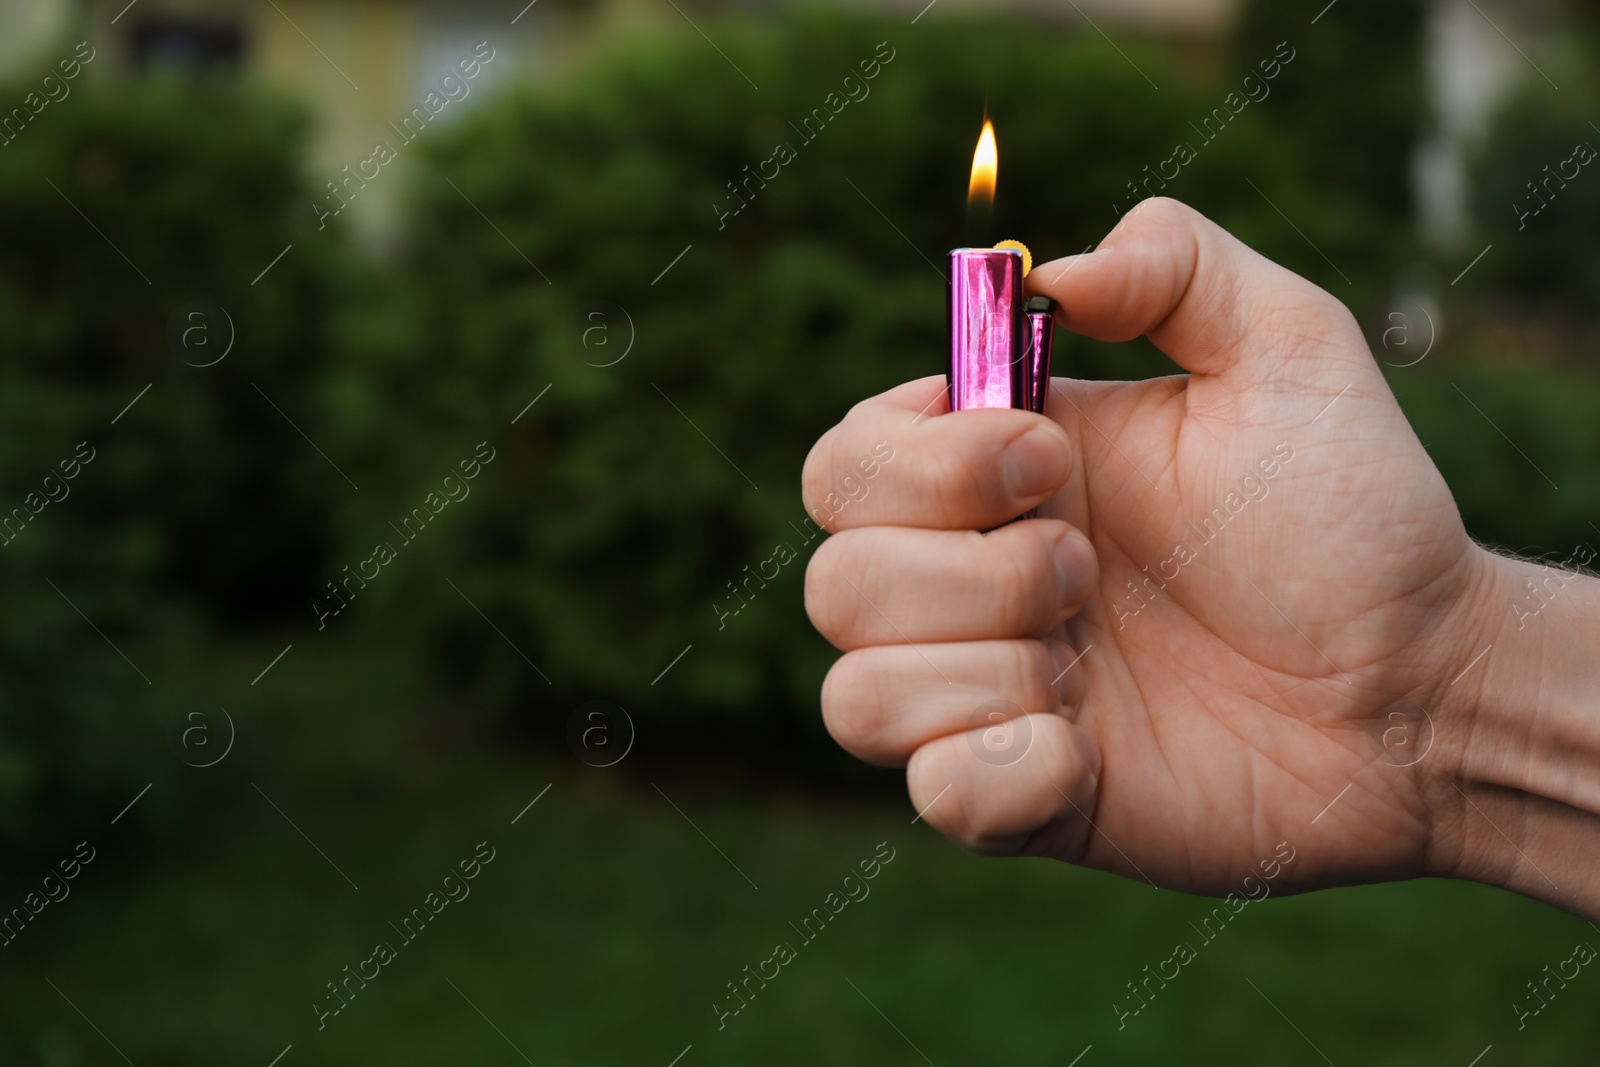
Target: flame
<point x="985" y="167"/>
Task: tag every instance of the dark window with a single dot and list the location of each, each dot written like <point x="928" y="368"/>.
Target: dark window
<point x="186" y="44"/>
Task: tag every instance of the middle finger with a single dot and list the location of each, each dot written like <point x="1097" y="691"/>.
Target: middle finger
<point x="882" y="585"/>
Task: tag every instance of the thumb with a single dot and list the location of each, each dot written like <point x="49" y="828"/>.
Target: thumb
<point x="1206" y="299"/>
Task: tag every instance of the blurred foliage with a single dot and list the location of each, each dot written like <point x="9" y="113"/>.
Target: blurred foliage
<point x="1349" y="112"/>
<point x="1355" y="129"/>
<point x="1538" y="202"/>
<point x="197" y="508"/>
<point x="1533" y="196"/>
<point x="573" y="247"/>
<point x="1505" y="440"/>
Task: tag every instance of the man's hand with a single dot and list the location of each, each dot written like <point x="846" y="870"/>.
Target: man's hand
<point x="1237" y="624"/>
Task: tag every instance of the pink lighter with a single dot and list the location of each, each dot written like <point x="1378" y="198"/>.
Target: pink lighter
<point x="1000" y="341"/>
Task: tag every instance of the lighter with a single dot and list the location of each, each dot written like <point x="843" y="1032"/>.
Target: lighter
<point x="1000" y="340"/>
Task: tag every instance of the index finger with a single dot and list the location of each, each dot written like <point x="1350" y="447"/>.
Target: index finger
<point x="903" y="459"/>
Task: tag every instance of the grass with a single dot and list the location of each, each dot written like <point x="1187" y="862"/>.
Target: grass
<point x="607" y="925"/>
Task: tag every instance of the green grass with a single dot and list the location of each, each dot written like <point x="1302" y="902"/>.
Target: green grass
<point x="607" y="925"/>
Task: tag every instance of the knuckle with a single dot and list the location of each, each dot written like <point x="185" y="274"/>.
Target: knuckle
<point x="1165" y="207"/>
<point x="852" y="708"/>
<point x="929" y="774"/>
<point x="829" y="478"/>
<point x="863" y="409"/>
<point x="957" y="812"/>
<point x="970" y="824"/>
<point x="1163" y="211"/>
<point x="830" y="602"/>
<point x="814" y="473"/>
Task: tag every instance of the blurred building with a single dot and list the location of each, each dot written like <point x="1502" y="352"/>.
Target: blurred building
<point x="360" y="65"/>
<point x="364" y="64"/>
<point x="1477" y="52"/>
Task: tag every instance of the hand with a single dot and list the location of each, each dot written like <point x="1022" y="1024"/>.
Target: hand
<point x="1236" y="626"/>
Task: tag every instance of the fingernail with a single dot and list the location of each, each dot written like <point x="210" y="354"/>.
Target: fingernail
<point x="1075" y="568"/>
<point x="1036" y="463"/>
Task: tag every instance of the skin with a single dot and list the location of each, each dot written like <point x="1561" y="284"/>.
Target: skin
<point x="1322" y="648"/>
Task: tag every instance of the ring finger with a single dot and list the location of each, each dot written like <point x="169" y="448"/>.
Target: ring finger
<point x="882" y="703"/>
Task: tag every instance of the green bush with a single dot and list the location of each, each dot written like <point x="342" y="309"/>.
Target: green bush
<point x="1517" y="448"/>
<point x="1539" y="221"/>
<point x="201" y="505"/>
<point x="1356" y="107"/>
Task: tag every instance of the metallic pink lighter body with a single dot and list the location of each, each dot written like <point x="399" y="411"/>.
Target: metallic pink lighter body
<point x="1000" y="341"/>
<point x="987" y="358"/>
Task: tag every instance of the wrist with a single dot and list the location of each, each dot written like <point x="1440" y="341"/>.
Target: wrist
<point x="1517" y="788"/>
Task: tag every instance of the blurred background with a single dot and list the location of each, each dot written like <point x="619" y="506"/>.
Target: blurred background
<point x="278" y="275"/>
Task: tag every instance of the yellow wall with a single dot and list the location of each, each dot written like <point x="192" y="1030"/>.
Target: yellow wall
<point x="373" y="43"/>
<point x="29" y="28"/>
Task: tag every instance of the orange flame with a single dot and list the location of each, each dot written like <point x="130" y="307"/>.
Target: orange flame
<point x="985" y="168"/>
